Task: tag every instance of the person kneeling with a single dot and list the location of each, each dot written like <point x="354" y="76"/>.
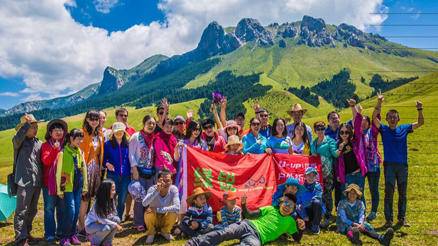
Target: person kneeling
<point x="162" y="202"/>
<point x="267" y="224"/>
<point x="199" y="216"/>
<point x="102" y="222"/>
<point x="351" y="218"/>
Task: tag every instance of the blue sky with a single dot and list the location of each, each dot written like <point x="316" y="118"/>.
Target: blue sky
<point x="123" y="32"/>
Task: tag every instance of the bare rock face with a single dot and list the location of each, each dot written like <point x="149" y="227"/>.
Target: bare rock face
<point x="251" y="30"/>
<point x="112" y="80"/>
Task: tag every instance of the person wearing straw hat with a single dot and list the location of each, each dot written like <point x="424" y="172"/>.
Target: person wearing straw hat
<point x="234" y="146"/>
<point x="297" y="112"/>
<point x="55" y="136"/>
<point x="198" y="219"/>
<point x="231" y="129"/>
<point x="116" y="160"/>
<point x="230" y="212"/>
<point x="262" y="225"/>
<point x="351" y="218"/>
<point x="28" y="176"/>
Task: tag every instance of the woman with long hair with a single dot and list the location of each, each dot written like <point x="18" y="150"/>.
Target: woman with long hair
<point x="102" y="221"/>
<point x="92" y="146"/>
<point x="254" y="142"/>
<point x="279" y="142"/>
<point x="192" y="139"/>
<point x="300" y="139"/>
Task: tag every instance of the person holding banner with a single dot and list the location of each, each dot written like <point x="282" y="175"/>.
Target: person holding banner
<point x="325" y="147"/>
<point x="192" y="139"/>
<point x="142" y="159"/>
<point x="279" y="142"/>
<point x="254" y="142"/>
<point x="262" y="226"/>
<point x="300" y="139"/>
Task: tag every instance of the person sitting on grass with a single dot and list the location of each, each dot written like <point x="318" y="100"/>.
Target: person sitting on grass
<point x="230" y="213"/>
<point x="262" y="226"/>
<point x="311" y="200"/>
<point x="163" y="204"/>
<point x="102" y="222"/>
<point x="291" y="185"/>
<point x="199" y="216"/>
<point x="351" y="218"/>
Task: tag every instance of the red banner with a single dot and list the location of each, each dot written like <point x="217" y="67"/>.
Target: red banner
<point x="256" y="175"/>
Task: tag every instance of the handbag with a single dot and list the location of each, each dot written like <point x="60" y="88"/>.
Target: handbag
<point x="12" y="186"/>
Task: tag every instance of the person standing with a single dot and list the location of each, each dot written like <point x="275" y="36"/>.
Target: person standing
<point x="297" y="112"/>
<point x="395" y="158"/>
<point x="279" y="141"/>
<point x="254" y="142"/>
<point x="122" y="116"/>
<point x="28" y="177"/>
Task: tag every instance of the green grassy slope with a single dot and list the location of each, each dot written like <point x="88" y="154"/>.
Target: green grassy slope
<point x="422" y="208"/>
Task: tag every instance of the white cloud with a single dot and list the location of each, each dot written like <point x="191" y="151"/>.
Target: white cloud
<point x="104" y="6"/>
<point x="41" y="43"/>
<point x="9" y="94"/>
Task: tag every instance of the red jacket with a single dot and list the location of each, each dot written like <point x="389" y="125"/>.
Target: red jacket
<point x="48" y="157"/>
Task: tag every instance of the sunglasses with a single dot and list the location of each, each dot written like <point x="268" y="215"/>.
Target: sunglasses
<point x="288" y="204"/>
<point x="196" y="129"/>
<point x="161" y="112"/>
<point x="178" y="123"/>
<point x="208" y="127"/>
<point x="264" y="115"/>
<point x="93" y="119"/>
<point x="255" y="124"/>
<point x="344" y="132"/>
<point x="123" y="115"/>
<point x="320" y="128"/>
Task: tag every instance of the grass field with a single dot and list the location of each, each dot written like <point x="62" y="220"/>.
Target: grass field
<point x="422" y="211"/>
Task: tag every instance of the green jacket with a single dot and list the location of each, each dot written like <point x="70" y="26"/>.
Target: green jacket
<point x="66" y="168"/>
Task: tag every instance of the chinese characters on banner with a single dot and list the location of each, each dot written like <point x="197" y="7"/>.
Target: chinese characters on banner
<point x="257" y="176"/>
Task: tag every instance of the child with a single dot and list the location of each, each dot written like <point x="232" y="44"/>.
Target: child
<point x="351" y="218"/>
<point x="199" y="216"/>
<point x="102" y="221"/>
<point x="311" y="200"/>
<point x="234" y="146"/>
<point x="71" y="182"/>
<point x="230" y="213"/>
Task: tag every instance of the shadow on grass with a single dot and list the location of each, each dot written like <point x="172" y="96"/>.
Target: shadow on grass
<point x="159" y="240"/>
<point x="4" y="224"/>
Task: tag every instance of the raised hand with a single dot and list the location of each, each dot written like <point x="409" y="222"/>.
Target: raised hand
<point x="224" y="103"/>
<point x="359" y="108"/>
<point x="256" y="105"/>
<point x="165" y="104"/>
<point x="189" y="114"/>
<point x="244" y="197"/>
<point x="419" y="105"/>
<point x="380" y="97"/>
<point x="110" y="166"/>
<point x="351" y="102"/>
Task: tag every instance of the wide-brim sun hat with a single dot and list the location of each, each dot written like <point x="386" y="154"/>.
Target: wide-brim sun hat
<point x="232" y="124"/>
<point x="296" y="108"/>
<point x="58" y="121"/>
<point x="197" y="192"/>
<point x="355" y="188"/>
<point x="233" y="140"/>
<point x="24" y="121"/>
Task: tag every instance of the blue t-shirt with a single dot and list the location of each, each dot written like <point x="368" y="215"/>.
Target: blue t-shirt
<point x="279" y="145"/>
<point x="395" y="144"/>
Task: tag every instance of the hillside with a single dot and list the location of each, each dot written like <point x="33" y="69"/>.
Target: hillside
<point x="302" y="53"/>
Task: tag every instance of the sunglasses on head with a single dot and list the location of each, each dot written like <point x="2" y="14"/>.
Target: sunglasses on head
<point x="344" y="132"/>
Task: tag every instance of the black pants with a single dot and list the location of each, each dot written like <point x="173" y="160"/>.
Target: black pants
<point x="314" y="211"/>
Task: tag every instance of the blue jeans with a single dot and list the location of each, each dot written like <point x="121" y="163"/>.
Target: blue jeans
<point x="51" y="203"/>
<point x="121" y="183"/>
<point x="358" y="179"/>
<point x="71" y="204"/>
<point x="373" y="183"/>
<point x="395" y="172"/>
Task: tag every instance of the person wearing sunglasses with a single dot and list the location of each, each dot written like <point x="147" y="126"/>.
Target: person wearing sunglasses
<point x="261" y="226"/>
<point x="215" y="142"/>
<point x="254" y="142"/>
<point x="122" y="116"/>
<point x="192" y="138"/>
<point x="93" y="148"/>
<point x="179" y="127"/>
<point x="325" y="147"/>
<point x="395" y="157"/>
<point x="351" y="168"/>
<point x="162" y="114"/>
<point x="265" y="128"/>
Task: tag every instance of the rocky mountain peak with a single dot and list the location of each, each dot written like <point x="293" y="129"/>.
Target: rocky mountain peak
<point x="112" y="80"/>
<point x="312" y="24"/>
<point x="249" y="29"/>
<point x="215" y="41"/>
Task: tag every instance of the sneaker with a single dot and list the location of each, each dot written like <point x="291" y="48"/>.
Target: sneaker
<point x="372" y="216"/>
<point x="315" y="229"/>
<point x="388" y="224"/>
<point x="326" y="223"/>
<point x="65" y="242"/>
<point x="356" y="237"/>
<point x="140" y="228"/>
<point x="74" y="240"/>
<point x="150" y="239"/>
<point x="50" y="239"/>
<point x="167" y="236"/>
<point x="387" y="237"/>
<point x="403" y="222"/>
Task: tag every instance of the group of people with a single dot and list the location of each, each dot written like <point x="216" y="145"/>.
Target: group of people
<point x="92" y="177"/>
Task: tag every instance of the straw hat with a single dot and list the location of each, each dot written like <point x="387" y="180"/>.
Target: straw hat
<point x="58" y="121"/>
<point x="296" y="108"/>
<point x="23" y="121"/>
<point x="197" y="192"/>
<point x="355" y="188"/>
<point x="232" y="140"/>
<point x="230" y="124"/>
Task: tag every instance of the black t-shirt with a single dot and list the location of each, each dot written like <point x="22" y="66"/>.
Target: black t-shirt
<point x="350" y="161"/>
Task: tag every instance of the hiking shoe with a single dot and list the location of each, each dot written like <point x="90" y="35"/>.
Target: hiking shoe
<point x="50" y="239"/>
<point x="74" y="240"/>
<point x="387" y="237"/>
<point x="315" y="229"/>
<point x="403" y="223"/>
<point x="356" y="237"/>
<point x="65" y="242"/>
<point x="167" y="236"/>
<point x="325" y="224"/>
<point x="150" y="239"/>
<point x="388" y="224"/>
<point x="372" y="216"/>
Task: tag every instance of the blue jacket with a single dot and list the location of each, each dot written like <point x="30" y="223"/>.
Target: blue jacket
<point x="118" y="157"/>
<point x="251" y="146"/>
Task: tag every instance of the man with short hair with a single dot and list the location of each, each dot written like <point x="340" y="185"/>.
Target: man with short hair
<point x="297" y="112"/>
<point x="122" y="116"/>
<point x="334" y="121"/>
<point x="163" y="204"/>
<point x="28" y="176"/>
<point x="263" y="115"/>
<point x="395" y="158"/>
<point x="264" y="225"/>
